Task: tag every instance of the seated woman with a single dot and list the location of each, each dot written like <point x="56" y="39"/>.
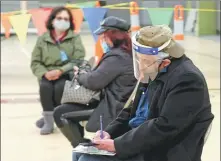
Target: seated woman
<point x="52" y="60"/>
<point x="114" y="75"/>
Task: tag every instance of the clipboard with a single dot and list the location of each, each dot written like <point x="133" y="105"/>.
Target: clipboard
<point x="92" y="150"/>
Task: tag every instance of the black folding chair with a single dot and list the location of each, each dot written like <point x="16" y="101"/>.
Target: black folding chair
<point x="83" y="115"/>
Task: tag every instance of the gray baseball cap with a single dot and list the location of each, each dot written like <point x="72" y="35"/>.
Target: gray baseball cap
<point x="155" y="36"/>
<point x="111" y="23"/>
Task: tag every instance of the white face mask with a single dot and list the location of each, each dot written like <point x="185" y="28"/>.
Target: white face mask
<point x="61" y="25"/>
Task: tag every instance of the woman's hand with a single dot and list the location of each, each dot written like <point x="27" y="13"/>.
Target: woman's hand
<point x="49" y="75"/>
<point x="58" y="73"/>
<point x="53" y="74"/>
<point x="98" y="134"/>
<point x="76" y="70"/>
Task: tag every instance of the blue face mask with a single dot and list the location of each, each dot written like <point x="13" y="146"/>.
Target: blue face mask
<point x="105" y="47"/>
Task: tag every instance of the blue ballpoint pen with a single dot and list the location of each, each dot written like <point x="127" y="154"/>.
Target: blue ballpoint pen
<point x="101" y="127"/>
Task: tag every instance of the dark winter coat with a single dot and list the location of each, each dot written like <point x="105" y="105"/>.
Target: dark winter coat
<point x="179" y="116"/>
<point x="114" y="75"/>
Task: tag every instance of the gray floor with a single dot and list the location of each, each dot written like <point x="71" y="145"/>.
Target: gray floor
<point x="20" y="140"/>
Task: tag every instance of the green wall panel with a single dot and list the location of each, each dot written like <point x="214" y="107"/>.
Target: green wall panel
<point x="206" y="20"/>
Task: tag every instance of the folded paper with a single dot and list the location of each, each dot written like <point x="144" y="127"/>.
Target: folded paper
<point x="92" y="150"/>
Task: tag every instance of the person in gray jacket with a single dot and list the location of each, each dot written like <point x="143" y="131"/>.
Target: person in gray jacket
<point x="114" y="75"/>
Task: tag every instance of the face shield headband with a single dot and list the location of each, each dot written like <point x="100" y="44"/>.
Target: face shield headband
<point x="147" y="50"/>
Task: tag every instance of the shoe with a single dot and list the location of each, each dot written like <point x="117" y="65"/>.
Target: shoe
<point x="48" y="127"/>
<point x="40" y="122"/>
<point x="73" y="133"/>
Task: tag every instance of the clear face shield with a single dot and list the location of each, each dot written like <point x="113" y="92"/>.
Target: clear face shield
<point x="147" y="60"/>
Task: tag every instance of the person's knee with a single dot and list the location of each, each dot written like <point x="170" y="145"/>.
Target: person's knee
<point x="57" y="116"/>
<point x="59" y="86"/>
<point x="76" y="156"/>
<point x="86" y="157"/>
<point x="45" y="85"/>
<point x="58" y="91"/>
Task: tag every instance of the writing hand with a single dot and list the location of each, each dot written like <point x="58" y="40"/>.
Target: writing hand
<point x="98" y="134"/>
<point x="105" y="144"/>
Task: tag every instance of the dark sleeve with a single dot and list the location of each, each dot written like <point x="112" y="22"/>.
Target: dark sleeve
<point x="106" y="72"/>
<point x="182" y="104"/>
<point x="120" y="125"/>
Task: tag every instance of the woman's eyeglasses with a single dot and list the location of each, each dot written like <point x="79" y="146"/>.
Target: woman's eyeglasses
<point x="62" y="18"/>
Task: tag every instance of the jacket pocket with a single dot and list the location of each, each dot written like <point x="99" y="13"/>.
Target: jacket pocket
<point x="178" y="153"/>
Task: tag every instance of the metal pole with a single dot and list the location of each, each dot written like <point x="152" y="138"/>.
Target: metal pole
<point x="23" y="5"/>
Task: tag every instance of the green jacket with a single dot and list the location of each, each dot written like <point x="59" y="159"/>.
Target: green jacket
<point x="46" y="54"/>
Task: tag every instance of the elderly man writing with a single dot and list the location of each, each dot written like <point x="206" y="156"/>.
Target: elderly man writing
<point x="171" y="112"/>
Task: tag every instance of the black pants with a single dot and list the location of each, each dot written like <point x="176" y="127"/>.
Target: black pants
<point x="51" y="92"/>
<point x="65" y="108"/>
<point x="71" y="129"/>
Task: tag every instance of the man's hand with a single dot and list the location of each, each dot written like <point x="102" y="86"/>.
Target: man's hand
<point x="98" y="134"/>
<point x="105" y="144"/>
